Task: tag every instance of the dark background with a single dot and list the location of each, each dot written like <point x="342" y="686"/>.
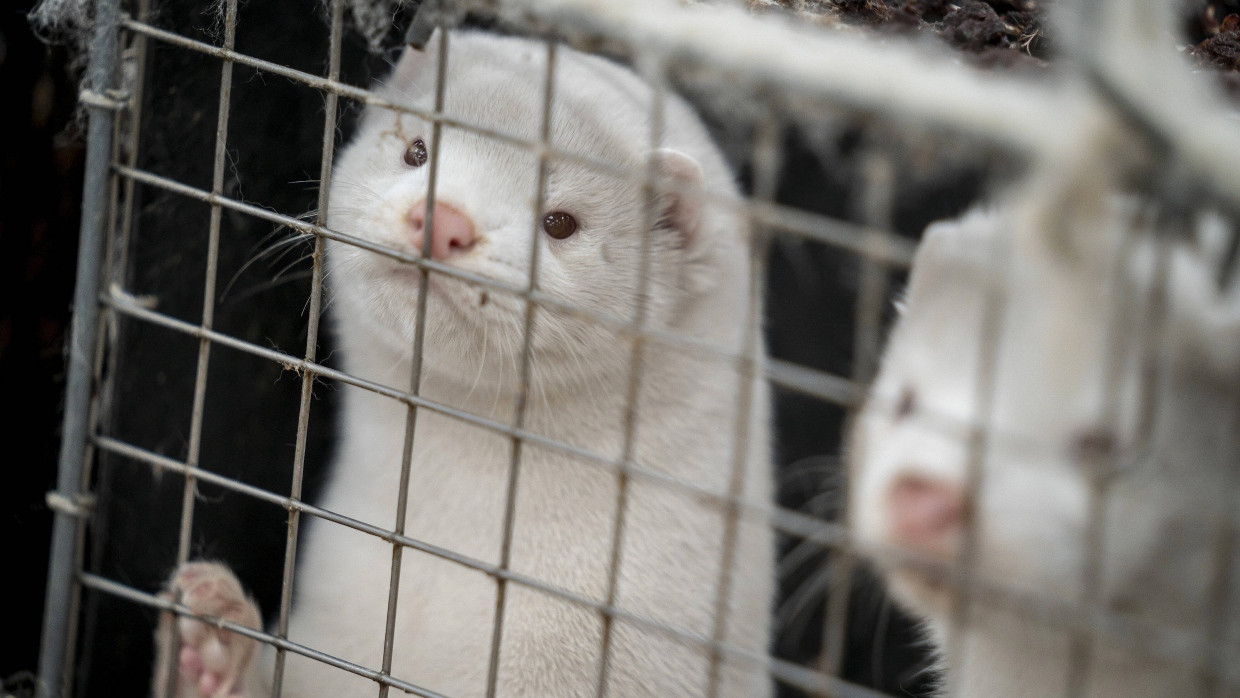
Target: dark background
<point x="40" y="189"/>
<point x="251" y="405"/>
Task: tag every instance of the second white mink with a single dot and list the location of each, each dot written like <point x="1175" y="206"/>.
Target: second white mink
<point x="1099" y="383"/>
<point x="590" y="234"/>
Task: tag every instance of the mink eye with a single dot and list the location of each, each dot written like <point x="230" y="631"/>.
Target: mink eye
<point x="559" y="225"/>
<point x="908" y="403"/>
<point x="1094" y="444"/>
<point x="415" y="154"/>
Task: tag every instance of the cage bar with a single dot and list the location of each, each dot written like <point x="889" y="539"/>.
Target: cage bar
<point x="69" y="501"/>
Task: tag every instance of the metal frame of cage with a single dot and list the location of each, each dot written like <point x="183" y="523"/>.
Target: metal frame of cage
<point x="1018" y="116"/>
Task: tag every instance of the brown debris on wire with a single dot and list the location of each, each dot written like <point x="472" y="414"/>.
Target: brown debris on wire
<point x="1001" y="33"/>
<point x="1013" y="33"/>
<point x="1214" y="41"/>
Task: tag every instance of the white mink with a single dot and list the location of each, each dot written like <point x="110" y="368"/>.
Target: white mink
<point x="1073" y="343"/>
<point x="687" y="402"/>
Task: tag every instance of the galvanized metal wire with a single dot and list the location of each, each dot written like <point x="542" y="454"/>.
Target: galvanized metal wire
<point x="109" y="206"/>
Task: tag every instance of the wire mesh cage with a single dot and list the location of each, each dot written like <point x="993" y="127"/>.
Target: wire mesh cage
<point x="636" y="487"/>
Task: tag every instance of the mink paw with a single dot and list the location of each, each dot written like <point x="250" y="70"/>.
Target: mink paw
<point x="208" y="662"/>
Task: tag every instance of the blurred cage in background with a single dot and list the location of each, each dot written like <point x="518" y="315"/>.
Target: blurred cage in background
<point x="921" y="138"/>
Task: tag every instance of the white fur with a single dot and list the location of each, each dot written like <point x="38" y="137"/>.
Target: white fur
<point x="1072" y="274"/>
<point x="565" y="506"/>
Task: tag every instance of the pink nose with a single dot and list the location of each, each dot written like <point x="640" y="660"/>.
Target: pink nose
<point x="927" y="513"/>
<point x="451" y="231"/>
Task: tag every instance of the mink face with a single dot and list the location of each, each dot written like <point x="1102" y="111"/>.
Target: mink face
<point x="1046" y="401"/>
<point x="587" y="220"/>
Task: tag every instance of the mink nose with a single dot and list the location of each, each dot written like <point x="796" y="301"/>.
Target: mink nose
<point x="927" y="513"/>
<point x="451" y="230"/>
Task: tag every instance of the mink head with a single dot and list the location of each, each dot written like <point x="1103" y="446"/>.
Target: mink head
<point x="1045" y="344"/>
<point x="588" y="215"/>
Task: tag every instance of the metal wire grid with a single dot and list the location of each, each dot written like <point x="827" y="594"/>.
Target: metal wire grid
<point x="110" y="197"/>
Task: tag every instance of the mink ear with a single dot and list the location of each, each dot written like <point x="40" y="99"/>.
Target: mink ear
<point x="680" y="194"/>
<point x="931" y="262"/>
<point x="951" y="248"/>
<point x="417" y="65"/>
